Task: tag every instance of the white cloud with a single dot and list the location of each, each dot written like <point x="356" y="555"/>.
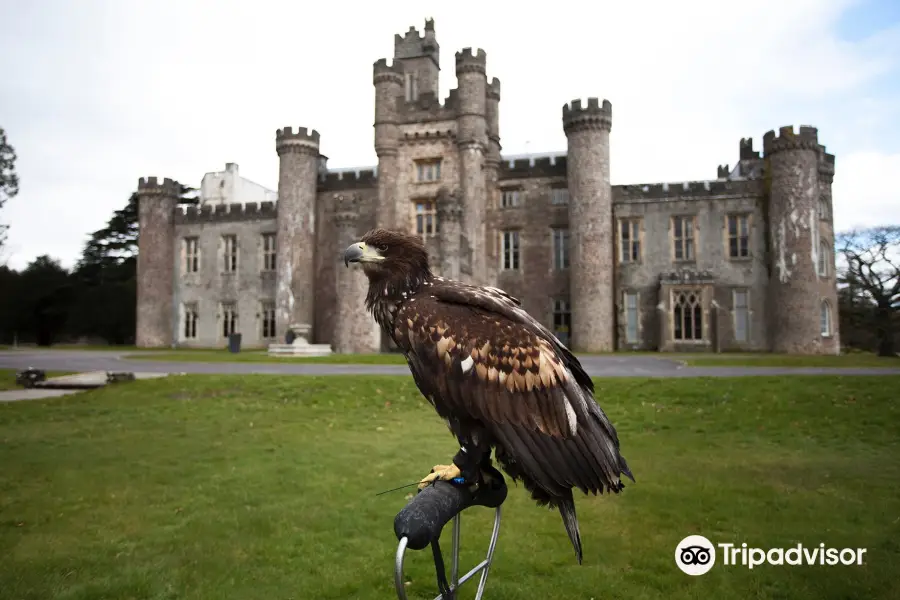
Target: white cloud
<point x="97" y="94"/>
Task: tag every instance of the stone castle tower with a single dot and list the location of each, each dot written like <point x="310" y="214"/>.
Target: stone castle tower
<point x="800" y="175"/>
<point x="592" y="235"/>
<point x="742" y="262"/>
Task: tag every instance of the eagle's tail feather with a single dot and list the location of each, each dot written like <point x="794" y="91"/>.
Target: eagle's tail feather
<point x="566" y="508"/>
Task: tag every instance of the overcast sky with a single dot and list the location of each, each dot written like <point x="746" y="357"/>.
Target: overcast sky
<point x="95" y="94"/>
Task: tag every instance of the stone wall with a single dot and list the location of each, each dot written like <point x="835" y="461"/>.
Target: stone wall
<point x="249" y="288"/>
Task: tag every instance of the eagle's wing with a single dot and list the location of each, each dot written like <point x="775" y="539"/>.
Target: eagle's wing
<point x="478" y="355"/>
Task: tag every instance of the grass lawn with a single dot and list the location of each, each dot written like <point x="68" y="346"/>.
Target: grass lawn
<point x="260" y="487"/>
<point x="859" y="359"/>
<point x="262" y="356"/>
<point x="8" y="378"/>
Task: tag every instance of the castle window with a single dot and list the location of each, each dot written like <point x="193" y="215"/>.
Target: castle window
<point x="230" y="253"/>
<point x="683" y="237"/>
<point x="190" y="321"/>
<point x="738" y="236"/>
<point x="411" y="86"/>
<point x="559" y="196"/>
<point x="428" y="170"/>
<point x="823" y="208"/>
<point x="824" y="251"/>
<point x="268" y="240"/>
<point x="560" y="240"/>
<point x="629" y="240"/>
<point x="825" y="319"/>
<point x="562" y="319"/>
<point x="509" y="250"/>
<point x="426" y="218"/>
<point x="687" y="315"/>
<point x="268" y="320"/>
<point x="631" y="317"/>
<point x="741" y="315"/>
<point x="191" y="255"/>
<point x="510" y="198"/>
<point x="229" y="319"/>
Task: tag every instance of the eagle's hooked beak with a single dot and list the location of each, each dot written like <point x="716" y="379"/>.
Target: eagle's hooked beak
<point x="360" y="252"/>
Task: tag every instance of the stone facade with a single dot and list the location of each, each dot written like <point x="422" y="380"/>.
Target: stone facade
<point x="742" y="262"/>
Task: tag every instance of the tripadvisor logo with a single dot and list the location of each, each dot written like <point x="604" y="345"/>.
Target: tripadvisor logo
<point x="696" y="555"/>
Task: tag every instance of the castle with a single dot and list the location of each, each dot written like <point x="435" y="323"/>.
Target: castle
<point x="744" y="261"/>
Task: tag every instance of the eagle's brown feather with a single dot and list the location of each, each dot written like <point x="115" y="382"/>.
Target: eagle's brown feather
<point x="499" y="378"/>
<point x="486" y="360"/>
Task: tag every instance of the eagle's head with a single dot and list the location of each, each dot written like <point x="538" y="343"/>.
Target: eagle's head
<point x="390" y="255"/>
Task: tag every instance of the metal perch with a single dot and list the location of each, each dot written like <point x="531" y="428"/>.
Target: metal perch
<point x="421" y="522"/>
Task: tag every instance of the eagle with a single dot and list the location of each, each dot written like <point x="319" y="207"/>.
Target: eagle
<point x="500" y="379"/>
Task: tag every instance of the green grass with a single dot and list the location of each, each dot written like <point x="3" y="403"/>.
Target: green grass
<point x="8" y="378"/>
<point x="860" y="359"/>
<point x="259" y="487"/>
<point x="261" y="356"/>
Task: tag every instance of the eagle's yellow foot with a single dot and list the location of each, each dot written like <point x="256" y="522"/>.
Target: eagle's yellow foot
<point x="440" y="473"/>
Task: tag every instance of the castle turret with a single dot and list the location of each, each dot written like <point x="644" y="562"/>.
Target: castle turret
<point x="296" y="230"/>
<point x="355" y="331"/>
<point x="449" y="215"/>
<point x="471" y="139"/>
<point x="388" y="81"/>
<point x="419" y="57"/>
<point x="591" y="238"/>
<point x="156" y="262"/>
<point x="800" y="296"/>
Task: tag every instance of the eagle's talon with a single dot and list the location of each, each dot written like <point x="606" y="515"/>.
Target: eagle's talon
<point x="440" y="473"/>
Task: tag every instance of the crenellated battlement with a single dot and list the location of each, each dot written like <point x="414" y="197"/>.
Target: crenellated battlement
<point x="688" y="190"/>
<point x="471" y="61"/>
<point x="723" y="171"/>
<point x="524" y="168"/>
<point x="348" y="180"/>
<point x="225" y="213"/>
<point x="787" y="139"/>
<point x="382" y="71"/>
<point x="303" y="141"/>
<point x="412" y="44"/>
<point x="152" y="186"/>
<point x="746" y="151"/>
<point x="493" y="91"/>
<point x="594" y="115"/>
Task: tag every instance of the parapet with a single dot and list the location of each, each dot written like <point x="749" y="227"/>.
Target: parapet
<point x="525" y="168"/>
<point x="414" y="45"/>
<point x="470" y="61"/>
<point x="577" y="117"/>
<point x="152" y="186"/>
<point x="746" y="151"/>
<point x="383" y="72"/>
<point x="787" y="139"/>
<point x="687" y="190"/>
<point x="493" y="90"/>
<point x="302" y="141"/>
<point x="826" y="164"/>
<point x="225" y="213"/>
<point x="723" y="172"/>
<point x="348" y="180"/>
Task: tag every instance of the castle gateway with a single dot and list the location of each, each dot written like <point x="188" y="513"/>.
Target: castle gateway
<point x="744" y="261"/>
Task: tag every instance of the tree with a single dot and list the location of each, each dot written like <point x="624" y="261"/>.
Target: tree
<point x="9" y="181"/>
<point x="44" y="300"/>
<point x="872" y="277"/>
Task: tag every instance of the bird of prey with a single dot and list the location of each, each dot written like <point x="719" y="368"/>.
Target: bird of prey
<point x="499" y="379"/>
